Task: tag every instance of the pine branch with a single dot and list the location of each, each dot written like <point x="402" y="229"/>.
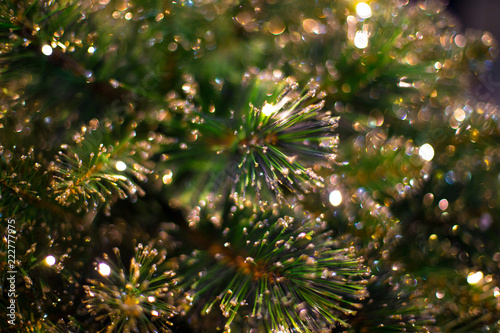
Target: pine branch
<point x="24" y="181"/>
<point x="273" y="147"/>
<point x="133" y="300"/>
<point x="264" y="260"/>
<point x="90" y="174"/>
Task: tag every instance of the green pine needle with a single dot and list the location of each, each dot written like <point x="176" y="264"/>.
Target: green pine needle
<point x="275" y="273"/>
<point x="137" y="300"/>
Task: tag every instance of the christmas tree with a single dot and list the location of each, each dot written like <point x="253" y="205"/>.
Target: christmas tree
<point x="234" y="166"/>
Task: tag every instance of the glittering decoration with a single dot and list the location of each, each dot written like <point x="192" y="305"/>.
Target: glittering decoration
<point x="264" y="260"/>
<point x="137" y="300"/>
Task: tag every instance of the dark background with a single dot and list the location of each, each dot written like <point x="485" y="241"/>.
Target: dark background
<point x="482" y="15"/>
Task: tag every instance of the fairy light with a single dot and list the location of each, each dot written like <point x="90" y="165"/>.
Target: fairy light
<point x="47" y="49"/>
<point x="426" y="152"/>
<point x="474" y="278"/>
<point x="120" y="166"/>
<point x="50" y="260"/>
<point x="104" y="269"/>
<point x="91" y="50"/>
<point x="335" y="198"/>
<point x="363" y="10"/>
<point x="151" y="299"/>
<point x="361" y="39"/>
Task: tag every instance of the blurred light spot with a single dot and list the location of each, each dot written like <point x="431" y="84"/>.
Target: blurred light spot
<point x="104" y="269"/>
<point x="276" y="26"/>
<point x="474" y="278"/>
<point x="91" y="50"/>
<point x="428" y="199"/>
<point x="351" y="20"/>
<point x="426" y="152"/>
<point x="361" y="39"/>
<point x="335" y="198"/>
<point x="439" y="294"/>
<point x="403" y="84"/>
<point x="311" y="26"/>
<point x="268" y="109"/>
<point x="376" y="118"/>
<point x="151" y="299"/>
<point x="155" y="313"/>
<point x="411" y="58"/>
<point x="120" y="166"/>
<point x="443" y="204"/>
<point x="487" y="39"/>
<point x="460" y="40"/>
<point x="363" y="10"/>
<point x="485" y="222"/>
<point x="459" y="114"/>
<point x="50" y="260"/>
<point x="450" y="177"/>
<point x="47" y="50"/>
<point x="172" y="46"/>
<point x="167" y="177"/>
<point x="346" y="88"/>
<point x="244" y="18"/>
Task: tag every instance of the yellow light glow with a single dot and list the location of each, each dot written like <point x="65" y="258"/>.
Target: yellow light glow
<point x="167" y="177"/>
<point x="474" y="278"/>
<point x="104" y="269"/>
